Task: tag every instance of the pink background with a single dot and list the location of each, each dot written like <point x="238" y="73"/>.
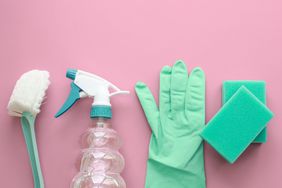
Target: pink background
<point x="126" y="41"/>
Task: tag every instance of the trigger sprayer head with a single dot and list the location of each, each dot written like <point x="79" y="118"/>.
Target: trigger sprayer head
<point x="86" y="84"/>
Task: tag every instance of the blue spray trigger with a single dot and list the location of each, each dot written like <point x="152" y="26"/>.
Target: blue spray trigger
<point x="72" y="98"/>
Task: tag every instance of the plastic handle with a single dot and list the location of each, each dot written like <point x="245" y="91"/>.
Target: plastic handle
<point x="72" y="98"/>
<point x="27" y="121"/>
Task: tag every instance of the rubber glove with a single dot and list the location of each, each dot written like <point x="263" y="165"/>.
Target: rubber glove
<point x="176" y="158"/>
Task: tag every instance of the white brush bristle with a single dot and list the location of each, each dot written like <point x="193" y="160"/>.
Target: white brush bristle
<point x="29" y="93"/>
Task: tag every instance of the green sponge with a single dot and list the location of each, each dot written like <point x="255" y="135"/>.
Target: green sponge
<point x="236" y="124"/>
<point x="256" y="87"/>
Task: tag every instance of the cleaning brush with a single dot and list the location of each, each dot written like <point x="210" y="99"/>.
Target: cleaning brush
<point x="25" y="102"/>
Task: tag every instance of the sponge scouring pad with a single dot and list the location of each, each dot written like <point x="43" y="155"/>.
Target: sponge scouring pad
<point x="236" y="124"/>
<point x="256" y="87"/>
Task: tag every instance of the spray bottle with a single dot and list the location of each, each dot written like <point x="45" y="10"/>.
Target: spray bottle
<point x="101" y="162"/>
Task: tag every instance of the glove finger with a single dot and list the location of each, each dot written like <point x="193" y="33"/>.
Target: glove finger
<point x="164" y="96"/>
<point x="195" y="98"/>
<point x="149" y="105"/>
<point x="179" y="77"/>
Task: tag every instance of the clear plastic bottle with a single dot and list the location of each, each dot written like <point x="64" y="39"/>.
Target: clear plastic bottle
<point x="101" y="163"/>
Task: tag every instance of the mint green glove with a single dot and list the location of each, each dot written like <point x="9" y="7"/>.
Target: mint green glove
<point x="176" y="157"/>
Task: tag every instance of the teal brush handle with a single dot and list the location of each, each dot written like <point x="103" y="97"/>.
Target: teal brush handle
<point x="27" y="121"/>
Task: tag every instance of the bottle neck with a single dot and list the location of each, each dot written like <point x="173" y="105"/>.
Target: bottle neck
<point x="101" y="122"/>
